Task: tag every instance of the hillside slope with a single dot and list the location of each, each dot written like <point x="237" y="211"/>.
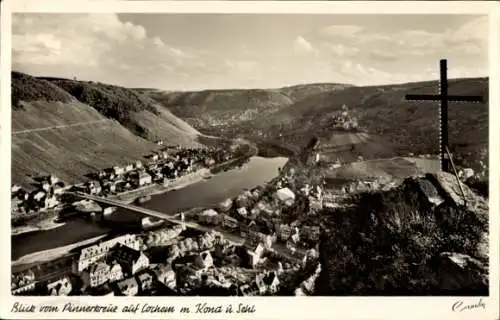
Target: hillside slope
<point x="135" y="111"/>
<point x="302" y="91"/>
<point x="388" y="169"/>
<point x="293" y="115"/>
<point x="54" y="132"/>
<point x="383" y="112"/>
<point x="72" y="152"/>
<point x="210" y="110"/>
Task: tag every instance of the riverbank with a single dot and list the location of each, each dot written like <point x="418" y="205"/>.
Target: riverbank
<point x="51" y="254"/>
<point x="47" y="220"/>
<point x="250" y="151"/>
<point x="157" y="189"/>
<point x="271" y="149"/>
<point x="44" y="225"/>
<point x="188" y="179"/>
<point x="44" y="220"/>
<point x="189" y="195"/>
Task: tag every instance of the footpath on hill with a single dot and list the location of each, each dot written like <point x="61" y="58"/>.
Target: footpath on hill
<point x="60" y="126"/>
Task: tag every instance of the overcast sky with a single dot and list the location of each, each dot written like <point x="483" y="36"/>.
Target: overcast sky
<point x="209" y="51"/>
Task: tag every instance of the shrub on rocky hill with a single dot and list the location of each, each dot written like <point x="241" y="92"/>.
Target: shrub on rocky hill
<point x="417" y="239"/>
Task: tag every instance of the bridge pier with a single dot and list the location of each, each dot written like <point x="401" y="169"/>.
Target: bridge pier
<point x="108" y="210"/>
<point x="97" y="216"/>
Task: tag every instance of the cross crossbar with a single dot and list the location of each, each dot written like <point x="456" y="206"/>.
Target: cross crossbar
<point x="444" y="98"/>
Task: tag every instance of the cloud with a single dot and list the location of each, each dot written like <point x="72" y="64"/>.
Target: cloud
<point x="471" y="39"/>
<point x="158" y="42"/>
<point x="102" y="47"/>
<point x="340" y="30"/>
<point x="341" y="50"/>
<point x="476" y="29"/>
<point x="89" y="44"/>
<point x="242" y="66"/>
<point x="381" y="55"/>
<point x="301" y="45"/>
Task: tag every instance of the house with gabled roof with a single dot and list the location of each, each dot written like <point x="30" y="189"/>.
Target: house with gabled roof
<point x="145" y="281"/>
<point x="130" y="259"/>
<point x="61" y="287"/>
<point x="128" y="287"/>
<point x="255" y="252"/>
<point x="117" y="170"/>
<point x="115" y="272"/>
<point x="165" y="275"/>
<point x="96" y="275"/>
<point x="267" y="282"/>
<point x="204" y="260"/>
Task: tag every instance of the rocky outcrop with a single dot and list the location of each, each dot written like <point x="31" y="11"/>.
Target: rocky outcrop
<point x="436" y="188"/>
<point x="447" y="196"/>
<point x="458" y="271"/>
<point x="429" y="235"/>
<point x="453" y="188"/>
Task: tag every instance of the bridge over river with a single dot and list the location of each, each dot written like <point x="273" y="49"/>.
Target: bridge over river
<point x="145" y="211"/>
<point x="237" y="239"/>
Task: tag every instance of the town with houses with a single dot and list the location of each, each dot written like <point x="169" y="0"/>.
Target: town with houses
<point x="161" y="168"/>
<point x="277" y="243"/>
<point x="172" y="172"/>
<point x="265" y="241"/>
<point x="279" y="250"/>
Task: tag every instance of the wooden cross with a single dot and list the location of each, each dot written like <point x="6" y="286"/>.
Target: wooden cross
<point x="443" y="114"/>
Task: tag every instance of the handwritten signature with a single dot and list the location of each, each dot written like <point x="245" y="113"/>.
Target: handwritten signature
<point x="461" y="306"/>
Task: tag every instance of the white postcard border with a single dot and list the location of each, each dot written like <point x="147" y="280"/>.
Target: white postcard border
<point x="275" y="307"/>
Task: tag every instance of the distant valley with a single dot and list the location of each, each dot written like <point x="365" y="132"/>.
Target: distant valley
<point x="293" y="115"/>
<point x="212" y="109"/>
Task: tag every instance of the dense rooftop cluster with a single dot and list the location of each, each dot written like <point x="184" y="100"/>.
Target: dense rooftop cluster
<point x="277" y="253"/>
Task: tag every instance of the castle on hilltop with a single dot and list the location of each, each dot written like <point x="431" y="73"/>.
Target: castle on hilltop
<point x="340" y="125"/>
<point x="342" y="120"/>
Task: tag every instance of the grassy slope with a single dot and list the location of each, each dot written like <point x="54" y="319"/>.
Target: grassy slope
<point x="28" y="88"/>
<point x="302" y="91"/>
<point x="71" y="152"/>
<point x="393" y="168"/>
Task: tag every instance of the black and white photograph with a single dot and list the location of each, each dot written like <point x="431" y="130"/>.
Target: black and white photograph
<point x="249" y="154"/>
